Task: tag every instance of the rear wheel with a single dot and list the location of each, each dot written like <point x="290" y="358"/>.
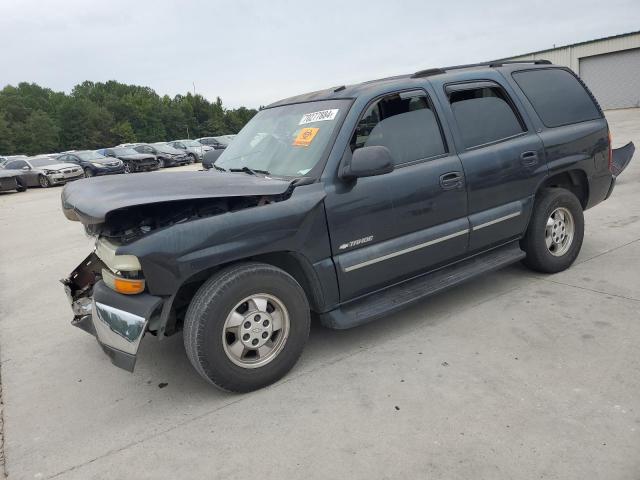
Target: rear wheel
<point x="44" y="181"/>
<point x="246" y="327"/>
<point x="192" y="158"/>
<point x="555" y="233"/>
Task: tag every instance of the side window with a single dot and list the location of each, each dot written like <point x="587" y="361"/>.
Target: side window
<point x="557" y="96"/>
<point x="16" y="165"/>
<point x="405" y="123"/>
<point x="484" y="115"/>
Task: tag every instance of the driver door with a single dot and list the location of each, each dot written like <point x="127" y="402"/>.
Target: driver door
<point x="391" y="227"/>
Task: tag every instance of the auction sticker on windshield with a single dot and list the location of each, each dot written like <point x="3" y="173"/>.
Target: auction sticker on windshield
<point x="305" y="137"/>
<point x="320" y="116"/>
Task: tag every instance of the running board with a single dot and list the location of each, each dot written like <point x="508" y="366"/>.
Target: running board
<point x="397" y="297"/>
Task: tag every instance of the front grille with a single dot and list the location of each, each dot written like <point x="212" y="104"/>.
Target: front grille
<point x="67" y="171"/>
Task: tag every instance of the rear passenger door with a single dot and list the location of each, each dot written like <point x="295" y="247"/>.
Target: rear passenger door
<point x="502" y="157"/>
<point x="414" y="219"/>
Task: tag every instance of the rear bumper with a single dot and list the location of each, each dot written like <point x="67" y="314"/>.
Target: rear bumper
<point x="117" y="321"/>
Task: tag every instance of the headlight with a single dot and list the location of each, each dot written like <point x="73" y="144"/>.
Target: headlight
<point x="96" y="164"/>
<point x="49" y="172"/>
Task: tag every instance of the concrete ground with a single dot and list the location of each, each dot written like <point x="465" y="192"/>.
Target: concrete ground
<point x="514" y="375"/>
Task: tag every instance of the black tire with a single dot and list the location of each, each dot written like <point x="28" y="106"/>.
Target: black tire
<point x="161" y="163"/>
<point x="21" y="186"/>
<point x="192" y="158"/>
<point x="539" y="256"/>
<point x="44" y="181"/>
<point x="88" y="173"/>
<point x="127" y="167"/>
<point x="216" y="299"/>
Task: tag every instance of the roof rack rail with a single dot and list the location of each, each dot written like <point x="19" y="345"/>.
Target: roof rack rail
<point x="495" y="63"/>
<point x="427" y="72"/>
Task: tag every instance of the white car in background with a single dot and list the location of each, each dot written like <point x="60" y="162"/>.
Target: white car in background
<point x="193" y="148"/>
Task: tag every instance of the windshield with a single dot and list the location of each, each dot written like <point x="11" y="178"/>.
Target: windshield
<point x="42" y="162"/>
<point x="166" y="149"/>
<point x="191" y="143"/>
<point x="90" y="156"/>
<point x="124" y="151"/>
<point x="287" y="141"/>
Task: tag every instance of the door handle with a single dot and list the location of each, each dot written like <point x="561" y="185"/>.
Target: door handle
<point x="529" y="158"/>
<point x="451" y="180"/>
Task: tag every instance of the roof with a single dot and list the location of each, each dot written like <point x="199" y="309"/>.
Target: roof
<point x="401" y="81"/>
<point x="602" y="39"/>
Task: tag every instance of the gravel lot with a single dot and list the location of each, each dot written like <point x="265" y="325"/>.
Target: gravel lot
<point x="515" y="375"/>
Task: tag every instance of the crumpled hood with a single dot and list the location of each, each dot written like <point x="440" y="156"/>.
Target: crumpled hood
<point x="89" y="201"/>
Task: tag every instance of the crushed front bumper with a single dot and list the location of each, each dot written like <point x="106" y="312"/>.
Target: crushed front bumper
<point x="117" y="321"/>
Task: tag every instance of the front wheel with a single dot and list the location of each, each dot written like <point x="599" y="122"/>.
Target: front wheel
<point x="127" y="167"/>
<point x="44" y="181"/>
<point x="246" y="326"/>
<point x="161" y="163"/>
<point x="555" y="233"/>
<point x="88" y="173"/>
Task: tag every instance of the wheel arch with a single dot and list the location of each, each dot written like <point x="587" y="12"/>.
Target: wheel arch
<point x="292" y="263"/>
<point x="576" y="181"/>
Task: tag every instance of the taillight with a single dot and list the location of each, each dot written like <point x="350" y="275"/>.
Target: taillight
<point x="610" y="154"/>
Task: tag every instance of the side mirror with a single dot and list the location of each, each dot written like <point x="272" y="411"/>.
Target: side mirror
<point x="26" y="167"/>
<point x="368" y="162"/>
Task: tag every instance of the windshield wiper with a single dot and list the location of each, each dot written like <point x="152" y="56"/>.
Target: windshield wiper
<point x="248" y="170"/>
<point x="219" y="168"/>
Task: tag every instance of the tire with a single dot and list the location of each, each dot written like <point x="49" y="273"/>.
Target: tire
<point x="557" y="215"/>
<point x="222" y="298"/>
<point x="127" y="167"/>
<point x="44" y="181"/>
<point x="160" y="163"/>
<point x="192" y="158"/>
<point x="88" y="173"/>
<point x="21" y="187"/>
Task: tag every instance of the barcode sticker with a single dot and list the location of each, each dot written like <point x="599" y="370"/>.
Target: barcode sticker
<point x="320" y="116"/>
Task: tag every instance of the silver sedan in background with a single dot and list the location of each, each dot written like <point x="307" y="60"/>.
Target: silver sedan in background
<point x="45" y="171"/>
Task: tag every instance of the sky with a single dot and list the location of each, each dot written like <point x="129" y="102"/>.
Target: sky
<point x="251" y="53"/>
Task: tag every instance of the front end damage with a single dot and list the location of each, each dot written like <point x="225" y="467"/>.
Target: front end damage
<point x="117" y="321"/>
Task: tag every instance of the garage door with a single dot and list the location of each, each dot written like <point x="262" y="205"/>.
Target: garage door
<point x="614" y="78"/>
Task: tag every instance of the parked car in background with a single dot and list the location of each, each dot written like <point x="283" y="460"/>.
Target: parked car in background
<point x="191" y="147"/>
<point x="167" y="156"/>
<point x="93" y="163"/>
<point x="218" y="144"/>
<point x="133" y="161"/>
<point x="11" y="180"/>
<point x="45" y="171"/>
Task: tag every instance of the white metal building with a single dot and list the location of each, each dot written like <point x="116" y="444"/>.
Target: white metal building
<point x="609" y="66"/>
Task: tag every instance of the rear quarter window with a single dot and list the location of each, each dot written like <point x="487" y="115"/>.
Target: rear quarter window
<point x="557" y="96"/>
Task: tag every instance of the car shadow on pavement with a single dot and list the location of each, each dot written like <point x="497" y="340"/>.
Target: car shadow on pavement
<point x="165" y="364"/>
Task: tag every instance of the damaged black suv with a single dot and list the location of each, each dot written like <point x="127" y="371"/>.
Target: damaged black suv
<point x="350" y="203"/>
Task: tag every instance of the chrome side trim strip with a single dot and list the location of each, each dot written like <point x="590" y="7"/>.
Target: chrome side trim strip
<point x="406" y="250"/>
<point x="497" y="220"/>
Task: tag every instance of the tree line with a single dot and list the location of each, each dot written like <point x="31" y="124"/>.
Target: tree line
<point x="37" y="120"/>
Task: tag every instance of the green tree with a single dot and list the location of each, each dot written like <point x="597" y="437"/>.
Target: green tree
<point x="122" y="132"/>
<point x="6" y="142"/>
